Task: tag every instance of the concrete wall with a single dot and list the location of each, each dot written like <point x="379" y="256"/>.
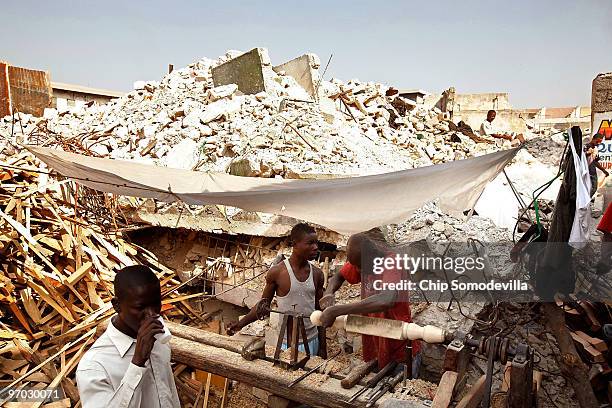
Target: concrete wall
<point x="482" y="101"/>
<point x="246" y="71"/>
<point x="304" y="69"/>
<point x="473" y="108"/>
<point x="506" y="119"/>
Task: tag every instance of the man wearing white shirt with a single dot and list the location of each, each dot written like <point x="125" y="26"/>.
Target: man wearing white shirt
<point x="126" y="366"/>
<point x="487" y="129"/>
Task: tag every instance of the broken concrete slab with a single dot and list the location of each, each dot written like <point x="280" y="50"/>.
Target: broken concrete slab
<point x="305" y="70"/>
<point x="246" y="71"/>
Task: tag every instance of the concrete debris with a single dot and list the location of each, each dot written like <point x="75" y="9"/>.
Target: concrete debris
<point x="433" y="225"/>
<point x="283" y="129"/>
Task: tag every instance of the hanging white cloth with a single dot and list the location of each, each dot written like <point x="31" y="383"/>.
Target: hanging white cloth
<point x="582" y="218"/>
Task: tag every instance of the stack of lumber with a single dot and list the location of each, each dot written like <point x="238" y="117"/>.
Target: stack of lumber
<point x="57" y="265"/>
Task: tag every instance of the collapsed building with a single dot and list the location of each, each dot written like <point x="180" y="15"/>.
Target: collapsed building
<point x="243" y="116"/>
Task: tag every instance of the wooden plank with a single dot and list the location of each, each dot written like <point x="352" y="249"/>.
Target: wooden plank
<point x="50" y="358"/>
<point x="593" y="355"/>
<point x="475" y="394"/>
<point x="28" y="237"/>
<point x="67" y="368"/>
<point x="225" y="388"/>
<point x="29" y="305"/>
<point x="50" y="242"/>
<point x="537" y="380"/>
<point x="64" y="403"/>
<point x="506" y="380"/>
<point x="207" y="391"/>
<point x="125" y="260"/>
<point x="595" y="325"/>
<point x="42" y="292"/>
<point x="93" y="295"/>
<point x="444" y="393"/>
<point x="12" y="303"/>
<point x="597" y="344"/>
<point x="79" y="274"/>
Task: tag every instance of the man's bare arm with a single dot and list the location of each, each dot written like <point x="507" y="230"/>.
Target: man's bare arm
<point x="373" y="304"/>
<point x="333" y="284"/>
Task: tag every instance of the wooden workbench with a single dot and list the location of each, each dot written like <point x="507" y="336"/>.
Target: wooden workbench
<point x="220" y="355"/>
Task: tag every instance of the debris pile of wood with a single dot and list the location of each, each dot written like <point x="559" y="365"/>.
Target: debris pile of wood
<point x="57" y="265"/>
<point x="585" y="321"/>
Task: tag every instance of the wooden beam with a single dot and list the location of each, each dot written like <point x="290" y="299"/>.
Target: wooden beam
<point x="259" y="373"/>
<point x="444" y="393"/>
<point x="474" y="396"/>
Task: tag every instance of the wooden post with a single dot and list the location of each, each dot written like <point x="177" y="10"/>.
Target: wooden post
<point x="456" y="359"/>
<point x="474" y="396"/>
<point x="444" y="393"/>
<point x="521" y="384"/>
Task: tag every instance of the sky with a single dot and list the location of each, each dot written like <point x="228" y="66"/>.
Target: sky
<point x="542" y="52"/>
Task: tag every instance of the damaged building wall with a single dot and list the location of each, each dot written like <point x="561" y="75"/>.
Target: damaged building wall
<point x="217" y="261"/>
<point x="66" y="96"/>
<point x="473" y="108"/>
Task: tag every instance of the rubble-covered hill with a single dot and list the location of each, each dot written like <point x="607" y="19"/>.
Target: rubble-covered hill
<point x="184" y="121"/>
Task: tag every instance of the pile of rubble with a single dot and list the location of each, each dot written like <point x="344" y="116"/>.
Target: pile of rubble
<point x="185" y="121"/>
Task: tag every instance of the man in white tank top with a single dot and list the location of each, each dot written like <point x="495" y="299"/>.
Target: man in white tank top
<point x="297" y="284"/>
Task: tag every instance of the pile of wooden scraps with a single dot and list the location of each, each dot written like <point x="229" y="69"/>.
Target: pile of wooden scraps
<point x="56" y="278"/>
<point x="585" y="321"/>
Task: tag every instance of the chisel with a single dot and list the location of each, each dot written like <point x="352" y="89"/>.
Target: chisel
<point x="374" y="380"/>
<point x="356" y="375"/>
<point x="306" y="374"/>
<point x="388" y="385"/>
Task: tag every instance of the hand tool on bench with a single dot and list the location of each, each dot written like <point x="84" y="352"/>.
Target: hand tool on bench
<point x="301" y="377"/>
<point x="372" y="382"/>
<point x="358" y="373"/>
<point x="385" y="385"/>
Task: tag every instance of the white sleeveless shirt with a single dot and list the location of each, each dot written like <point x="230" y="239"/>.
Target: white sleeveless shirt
<point x="301" y="294"/>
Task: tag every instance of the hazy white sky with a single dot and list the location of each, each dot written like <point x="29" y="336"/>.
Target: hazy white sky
<point x="543" y="52"/>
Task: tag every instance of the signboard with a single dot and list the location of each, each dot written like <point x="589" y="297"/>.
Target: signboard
<point x="602" y="130"/>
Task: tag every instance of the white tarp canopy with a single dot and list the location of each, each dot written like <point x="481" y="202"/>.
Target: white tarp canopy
<point x="346" y="205"/>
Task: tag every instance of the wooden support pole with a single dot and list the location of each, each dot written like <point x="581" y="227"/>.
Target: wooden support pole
<point x="456" y="358"/>
<point x="521" y="384"/>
